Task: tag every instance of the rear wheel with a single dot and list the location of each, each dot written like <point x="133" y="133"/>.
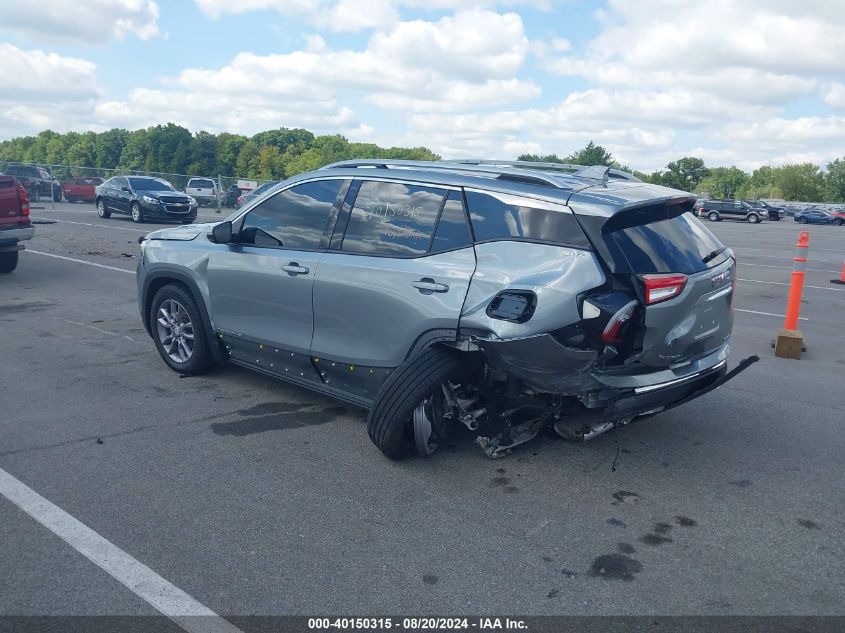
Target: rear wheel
<point x="8" y="261"/>
<point x="137" y="216"/>
<point x="178" y="331"/>
<point x="101" y="209"/>
<point x="713" y="216"/>
<point x="753" y="218"/>
<point x="57" y="194"/>
<point x="802" y="220"/>
<point x="837" y="222"/>
<point x="407" y="414"/>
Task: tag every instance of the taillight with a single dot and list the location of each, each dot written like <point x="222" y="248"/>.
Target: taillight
<point x="662" y="287"/>
<point x="616" y="323"/>
<point x="23" y="198"/>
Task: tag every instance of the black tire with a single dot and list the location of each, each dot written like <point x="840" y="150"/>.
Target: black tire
<point x="389" y="419"/>
<point x="57" y="194"/>
<point x="135" y="212"/>
<point x="201" y="359"/>
<point x="753" y="218"/>
<point x="837" y="222"/>
<point x="8" y="261"/>
<point x="713" y="216"/>
<point x="34" y="195"/>
<point x="802" y="220"/>
<point x="102" y="209"/>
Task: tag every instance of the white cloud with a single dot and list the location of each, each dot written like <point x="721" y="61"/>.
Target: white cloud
<point x="412" y="67"/>
<point x="835" y="97"/>
<point x="353" y="15"/>
<point x="86" y="21"/>
<point x="49" y="90"/>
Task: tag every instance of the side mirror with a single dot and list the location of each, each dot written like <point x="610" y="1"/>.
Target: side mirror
<point x="124" y="188"/>
<point x="222" y="233"/>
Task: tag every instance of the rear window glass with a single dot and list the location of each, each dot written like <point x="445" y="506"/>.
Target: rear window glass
<point x="507" y="217"/>
<point x="676" y="245"/>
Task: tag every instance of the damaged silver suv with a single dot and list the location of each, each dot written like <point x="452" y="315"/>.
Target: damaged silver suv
<point x="498" y="296"/>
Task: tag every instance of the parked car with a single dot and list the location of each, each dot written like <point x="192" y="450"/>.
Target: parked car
<point x="232" y="194"/>
<point x="144" y="198"/>
<point x="838" y="216"/>
<point x="15" y="225"/>
<point x="37" y="181"/>
<point x="255" y="193"/>
<point x="203" y="190"/>
<point x="770" y="211"/>
<point x="718" y="210"/>
<point x="449" y="294"/>
<point x="817" y="216"/>
<point x="81" y="189"/>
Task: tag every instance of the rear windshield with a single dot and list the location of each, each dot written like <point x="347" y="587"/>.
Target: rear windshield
<point x="676" y="245"/>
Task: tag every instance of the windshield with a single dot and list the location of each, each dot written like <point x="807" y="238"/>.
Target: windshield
<point x="150" y="184"/>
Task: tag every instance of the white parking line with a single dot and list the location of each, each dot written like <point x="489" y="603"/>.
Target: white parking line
<point x="780" y="316"/>
<point x="105" y="226"/>
<point x="781" y="283"/>
<point x="814" y="270"/>
<point x="81" y="261"/>
<point x="161" y="594"/>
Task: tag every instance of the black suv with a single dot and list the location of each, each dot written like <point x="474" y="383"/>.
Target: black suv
<point x="717" y="210"/>
<point x="37" y="181"/>
<point x="771" y="211"/>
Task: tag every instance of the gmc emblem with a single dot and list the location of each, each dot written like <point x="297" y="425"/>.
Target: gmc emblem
<point x="721" y="280"/>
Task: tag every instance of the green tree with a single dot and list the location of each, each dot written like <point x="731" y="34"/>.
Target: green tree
<point x="800" y="182"/>
<point x="834" y="181"/>
<point x="247" y="161"/>
<point x="228" y="148"/>
<point x="108" y="147"/>
<point x="722" y="182"/>
<point x="269" y="164"/>
<point x="762" y="184"/>
<point x="684" y="173"/>
<point x="592" y="154"/>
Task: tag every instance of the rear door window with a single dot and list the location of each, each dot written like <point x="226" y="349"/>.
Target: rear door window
<point x="452" y="228"/>
<point x="393" y="219"/>
<point x="497" y="216"/>
<point x="295" y="218"/>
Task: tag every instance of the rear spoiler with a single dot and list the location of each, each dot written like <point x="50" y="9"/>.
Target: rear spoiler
<point x="639" y="213"/>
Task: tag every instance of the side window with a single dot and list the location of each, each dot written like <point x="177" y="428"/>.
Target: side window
<point x="452" y="228"/>
<point x="120" y="182"/>
<point x="502" y="216"/>
<point x="390" y="218"/>
<point x="294" y="218"/>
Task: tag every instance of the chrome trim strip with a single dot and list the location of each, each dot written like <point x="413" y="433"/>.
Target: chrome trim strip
<point x="721" y="293"/>
<point x="649" y="388"/>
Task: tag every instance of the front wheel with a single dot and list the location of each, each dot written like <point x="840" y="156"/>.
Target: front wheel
<point x="713" y="216"/>
<point x="178" y="331"/>
<point x="837" y="222"/>
<point x="408" y="411"/>
<point x="8" y="261"/>
<point x="137" y="216"/>
<point x="101" y="209"/>
<point x="753" y="218"/>
<point x="802" y="221"/>
<point x="57" y="195"/>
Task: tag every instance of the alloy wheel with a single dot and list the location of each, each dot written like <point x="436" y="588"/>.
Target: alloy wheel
<point x="175" y="331"/>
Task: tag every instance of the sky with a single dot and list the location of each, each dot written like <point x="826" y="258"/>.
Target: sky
<point x="735" y="82"/>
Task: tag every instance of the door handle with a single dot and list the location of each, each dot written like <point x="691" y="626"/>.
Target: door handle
<point x="427" y="286"/>
<point x="295" y="269"/>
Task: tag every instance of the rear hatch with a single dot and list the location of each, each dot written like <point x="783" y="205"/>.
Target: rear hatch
<point x="682" y="275"/>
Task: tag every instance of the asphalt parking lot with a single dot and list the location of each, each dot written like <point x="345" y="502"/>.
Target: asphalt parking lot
<point x="255" y="497"/>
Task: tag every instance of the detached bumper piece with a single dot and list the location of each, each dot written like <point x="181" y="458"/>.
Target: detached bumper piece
<point x="656" y="399"/>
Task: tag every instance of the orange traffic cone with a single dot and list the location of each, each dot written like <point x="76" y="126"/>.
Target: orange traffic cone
<point x="841" y="280"/>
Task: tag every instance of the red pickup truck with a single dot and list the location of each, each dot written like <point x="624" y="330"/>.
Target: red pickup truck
<point x="81" y="189"/>
<point x="15" y="226"/>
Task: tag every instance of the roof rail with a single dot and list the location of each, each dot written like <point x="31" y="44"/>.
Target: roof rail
<point x="493" y="169"/>
<point x="594" y="172"/>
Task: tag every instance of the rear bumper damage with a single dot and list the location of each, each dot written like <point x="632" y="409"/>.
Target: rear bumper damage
<point x="609" y="396"/>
